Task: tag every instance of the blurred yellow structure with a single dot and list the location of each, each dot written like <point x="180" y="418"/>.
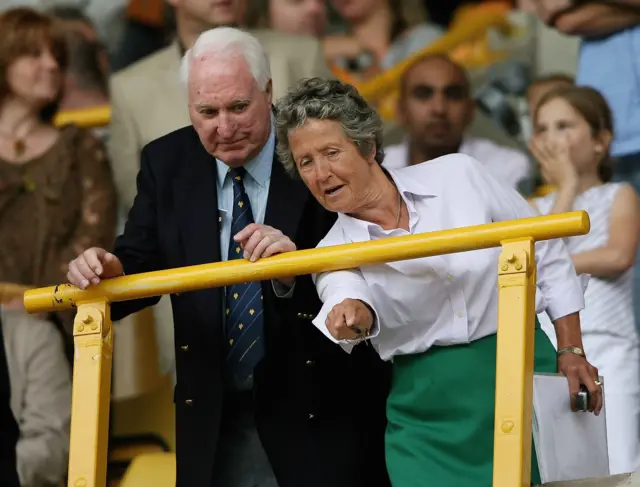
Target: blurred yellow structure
<point x="9" y="291"/>
<point x="87" y="117"/>
<point x="93" y="333"/>
<point x="466" y="42"/>
<point x="151" y="470"/>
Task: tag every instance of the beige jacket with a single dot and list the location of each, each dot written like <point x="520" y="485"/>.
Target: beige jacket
<point x="40" y="379"/>
<point x="148" y="101"/>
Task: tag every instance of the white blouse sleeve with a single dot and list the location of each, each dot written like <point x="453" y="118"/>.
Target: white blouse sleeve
<point x="561" y="289"/>
<point x="336" y="286"/>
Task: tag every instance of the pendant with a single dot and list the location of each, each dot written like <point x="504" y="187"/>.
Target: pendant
<point x="19" y="147"/>
<point x="28" y="185"/>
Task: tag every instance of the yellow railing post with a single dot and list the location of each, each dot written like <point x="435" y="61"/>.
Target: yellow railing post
<point x="93" y="344"/>
<point x="514" y="364"/>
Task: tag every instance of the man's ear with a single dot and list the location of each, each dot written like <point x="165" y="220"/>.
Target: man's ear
<point x="471" y="113"/>
<point x="400" y="117"/>
<point x="269" y="91"/>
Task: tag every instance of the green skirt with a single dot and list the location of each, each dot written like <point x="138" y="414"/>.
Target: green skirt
<point x="440" y="414"/>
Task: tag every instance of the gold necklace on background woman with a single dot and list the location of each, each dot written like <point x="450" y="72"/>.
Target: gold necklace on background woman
<point x="19" y="149"/>
<point x="19" y="142"/>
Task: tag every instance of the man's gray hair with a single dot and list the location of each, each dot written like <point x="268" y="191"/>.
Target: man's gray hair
<point x="227" y="42"/>
<point x="328" y="99"/>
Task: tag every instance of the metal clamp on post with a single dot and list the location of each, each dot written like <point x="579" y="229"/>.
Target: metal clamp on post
<point x="514" y="369"/>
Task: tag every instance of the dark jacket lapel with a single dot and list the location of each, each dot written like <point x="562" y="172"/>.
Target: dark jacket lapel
<point x="197" y="197"/>
<point x="286" y="201"/>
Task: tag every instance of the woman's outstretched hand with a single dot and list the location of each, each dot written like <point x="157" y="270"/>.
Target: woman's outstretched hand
<point x="349" y="320"/>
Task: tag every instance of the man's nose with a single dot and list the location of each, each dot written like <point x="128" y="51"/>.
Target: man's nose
<point x="226" y="126"/>
<point x="438" y="104"/>
<point x="551" y="138"/>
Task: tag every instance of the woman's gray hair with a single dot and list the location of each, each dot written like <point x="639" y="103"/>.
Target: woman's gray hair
<point x="327" y="99"/>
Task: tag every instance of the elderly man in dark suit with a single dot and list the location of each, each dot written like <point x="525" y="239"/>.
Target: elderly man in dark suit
<point x="262" y="398"/>
<point x="9" y="431"/>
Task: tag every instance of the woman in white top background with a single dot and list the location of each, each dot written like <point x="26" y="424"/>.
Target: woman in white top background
<point x="572" y="132"/>
<point x="435" y="317"/>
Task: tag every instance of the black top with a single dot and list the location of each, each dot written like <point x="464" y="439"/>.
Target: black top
<point x="9" y="431"/>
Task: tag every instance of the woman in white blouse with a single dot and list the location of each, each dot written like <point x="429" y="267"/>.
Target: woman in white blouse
<point x="436" y="317"/>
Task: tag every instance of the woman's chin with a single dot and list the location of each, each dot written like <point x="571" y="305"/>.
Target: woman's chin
<point x="335" y="204"/>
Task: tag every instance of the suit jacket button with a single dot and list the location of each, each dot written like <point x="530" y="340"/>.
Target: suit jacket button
<point x="185" y="348"/>
<point x="312" y="416"/>
<point x="189" y="402"/>
<point x="310" y="362"/>
<point x="300" y="315"/>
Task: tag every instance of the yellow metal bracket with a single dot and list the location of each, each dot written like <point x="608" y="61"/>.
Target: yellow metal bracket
<point x="514" y="364"/>
<point x="93" y="349"/>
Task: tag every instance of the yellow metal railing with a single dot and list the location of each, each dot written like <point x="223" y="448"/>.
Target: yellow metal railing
<point x="93" y="333"/>
<point x="86" y="117"/>
<point x="9" y="291"/>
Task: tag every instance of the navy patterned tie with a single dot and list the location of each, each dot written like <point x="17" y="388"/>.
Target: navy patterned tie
<point x="244" y="316"/>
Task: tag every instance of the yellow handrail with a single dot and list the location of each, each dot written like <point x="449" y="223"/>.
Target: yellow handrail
<point x="93" y="333"/>
<point x="310" y="261"/>
<point x="9" y="290"/>
<point x="86" y="117"/>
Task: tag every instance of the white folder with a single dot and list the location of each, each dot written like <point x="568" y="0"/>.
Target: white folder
<point x="569" y="445"/>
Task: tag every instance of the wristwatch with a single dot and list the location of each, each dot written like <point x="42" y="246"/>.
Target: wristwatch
<point x="573" y="351"/>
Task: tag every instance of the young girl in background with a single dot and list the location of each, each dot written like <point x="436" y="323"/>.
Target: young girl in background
<point x="572" y="132"/>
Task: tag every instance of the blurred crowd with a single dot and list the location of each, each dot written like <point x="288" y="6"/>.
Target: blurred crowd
<point x="65" y="189"/>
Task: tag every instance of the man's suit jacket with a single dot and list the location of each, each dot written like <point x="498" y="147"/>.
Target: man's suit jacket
<point x="320" y="412"/>
<point x="148" y="101"/>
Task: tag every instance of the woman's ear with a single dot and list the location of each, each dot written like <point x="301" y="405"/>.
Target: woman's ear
<point x="371" y="159"/>
<point x="603" y="141"/>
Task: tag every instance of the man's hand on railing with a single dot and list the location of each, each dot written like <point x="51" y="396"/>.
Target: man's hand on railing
<point x="93" y="265"/>
<point x="260" y="241"/>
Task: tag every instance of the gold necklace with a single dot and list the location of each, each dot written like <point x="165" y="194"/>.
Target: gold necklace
<point x="19" y="143"/>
